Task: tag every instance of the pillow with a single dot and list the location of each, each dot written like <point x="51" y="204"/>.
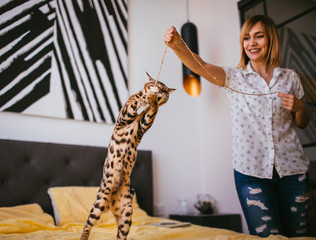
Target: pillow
<point x="27" y="211"/>
<point x="73" y="205"/>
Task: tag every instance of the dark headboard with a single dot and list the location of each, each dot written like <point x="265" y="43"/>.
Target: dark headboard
<point x="28" y="169"/>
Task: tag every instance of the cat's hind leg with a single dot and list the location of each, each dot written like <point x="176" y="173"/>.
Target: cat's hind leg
<point x="122" y="209"/>
<point x="100" y="205"/>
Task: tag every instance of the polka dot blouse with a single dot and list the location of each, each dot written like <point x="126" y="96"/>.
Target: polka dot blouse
<point x="263" y="131"/>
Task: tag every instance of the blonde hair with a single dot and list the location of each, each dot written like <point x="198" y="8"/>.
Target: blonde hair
<point x="273" y="57"/>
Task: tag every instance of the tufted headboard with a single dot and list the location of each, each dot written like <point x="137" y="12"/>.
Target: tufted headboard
<point x="28" y="169"/>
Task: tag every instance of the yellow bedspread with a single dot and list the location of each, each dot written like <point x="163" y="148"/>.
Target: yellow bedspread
<point x="72" y="206"/>
<point x="41" y="226"/>
<point x="140" y="230"/>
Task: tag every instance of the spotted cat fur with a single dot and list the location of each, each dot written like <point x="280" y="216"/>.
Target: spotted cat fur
<point x="115" y="190"/>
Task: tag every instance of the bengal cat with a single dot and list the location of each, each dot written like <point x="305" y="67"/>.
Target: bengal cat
<point x="115" y="190"/>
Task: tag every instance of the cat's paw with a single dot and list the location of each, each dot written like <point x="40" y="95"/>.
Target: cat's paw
<point x="152" y="98"/>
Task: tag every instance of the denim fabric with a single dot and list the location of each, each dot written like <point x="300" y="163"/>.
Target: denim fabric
<point x="274" y="206"/>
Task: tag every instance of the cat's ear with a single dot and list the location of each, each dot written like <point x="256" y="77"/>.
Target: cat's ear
<point x="150" y="78"/>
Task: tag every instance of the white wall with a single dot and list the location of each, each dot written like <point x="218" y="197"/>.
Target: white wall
<point x="191" y="137"/>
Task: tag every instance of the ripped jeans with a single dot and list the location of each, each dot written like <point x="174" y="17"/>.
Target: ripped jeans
<point x="274" y="206"/>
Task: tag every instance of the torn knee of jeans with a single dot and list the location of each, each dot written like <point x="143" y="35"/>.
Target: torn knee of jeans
<point x="274" y="231"/>
<point x="257" y="203"/>
<point x="301" y="199"/>
<point x="301" y="231"/>
<point x="303" y="223"/>
<point x="293" y="209"/>
<point x="302" y="177"/>
<point x="261" y="228"/>
<point x="254" y="190"/>
<point x="266" y="218"/>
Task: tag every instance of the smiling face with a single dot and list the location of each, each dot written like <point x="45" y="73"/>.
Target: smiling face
<point x="259" y="42"/>
<point x="255" y="44"/>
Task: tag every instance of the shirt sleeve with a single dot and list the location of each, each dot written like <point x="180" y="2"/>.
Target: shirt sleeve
<point x="298" y="87"/>
<point x="229" y="72"/>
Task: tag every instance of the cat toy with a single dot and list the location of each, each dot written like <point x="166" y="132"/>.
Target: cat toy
<point x="211" y="75"/>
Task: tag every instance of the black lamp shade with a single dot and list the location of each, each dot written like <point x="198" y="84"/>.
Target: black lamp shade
<point x="191" y="81"/>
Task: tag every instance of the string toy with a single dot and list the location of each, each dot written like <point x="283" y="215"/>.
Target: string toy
<point x="211" y="75"/>
<point x="163" y="57"/>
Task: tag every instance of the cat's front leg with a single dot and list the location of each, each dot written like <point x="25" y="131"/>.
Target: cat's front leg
<point x="143" y="106"/>
<point x="152" y="99"/>
<point x="149" y="115"/>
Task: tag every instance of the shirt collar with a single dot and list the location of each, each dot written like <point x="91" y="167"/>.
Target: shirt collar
<point x="249" y="69"/>
<point x="276" y="72"/>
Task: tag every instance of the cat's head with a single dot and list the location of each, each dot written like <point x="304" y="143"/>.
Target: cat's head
<point x="153" y="86"/>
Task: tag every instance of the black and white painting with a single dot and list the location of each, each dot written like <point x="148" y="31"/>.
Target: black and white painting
<point x="64" y="58"/>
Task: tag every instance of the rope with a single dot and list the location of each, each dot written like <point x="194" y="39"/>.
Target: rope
<point x="211" y="75"/>
<point x="215" y="79"/>
<point x="163" y="56"/>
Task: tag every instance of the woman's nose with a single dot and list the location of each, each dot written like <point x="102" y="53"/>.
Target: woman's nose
<point x="253" y="42"/>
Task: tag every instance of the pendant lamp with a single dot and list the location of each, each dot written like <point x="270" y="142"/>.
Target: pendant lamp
<point x="191" y="81"/>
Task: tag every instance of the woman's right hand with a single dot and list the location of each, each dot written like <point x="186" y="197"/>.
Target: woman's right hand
<point x="171" y="37"/>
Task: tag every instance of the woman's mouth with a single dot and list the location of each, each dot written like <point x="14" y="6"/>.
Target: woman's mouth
<point x="254" y="50"/>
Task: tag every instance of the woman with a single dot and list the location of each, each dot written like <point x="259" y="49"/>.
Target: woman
<point x="271" y="171"/>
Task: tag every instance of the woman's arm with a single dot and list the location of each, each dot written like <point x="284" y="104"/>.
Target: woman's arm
<point x="297" y="107"/>
<point x="173" y="40"/>
<point x="301" y="116"/>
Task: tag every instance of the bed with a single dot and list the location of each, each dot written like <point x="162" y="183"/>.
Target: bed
<point x="47" y="190"/>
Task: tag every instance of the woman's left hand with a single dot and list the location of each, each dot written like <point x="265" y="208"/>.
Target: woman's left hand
<point x="297" y="107"/>
<point x="290" y="102"/>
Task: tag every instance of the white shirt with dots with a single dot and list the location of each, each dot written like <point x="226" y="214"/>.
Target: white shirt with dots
<point x="263" y="131"/>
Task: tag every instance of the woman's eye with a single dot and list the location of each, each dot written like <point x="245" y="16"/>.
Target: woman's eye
<point x="260" y="36"/>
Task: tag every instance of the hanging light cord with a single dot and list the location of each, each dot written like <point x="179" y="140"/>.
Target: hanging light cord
<point x="188" y="13"/>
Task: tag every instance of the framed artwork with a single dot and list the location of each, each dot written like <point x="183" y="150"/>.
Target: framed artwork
<point x="64" y="58"/>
